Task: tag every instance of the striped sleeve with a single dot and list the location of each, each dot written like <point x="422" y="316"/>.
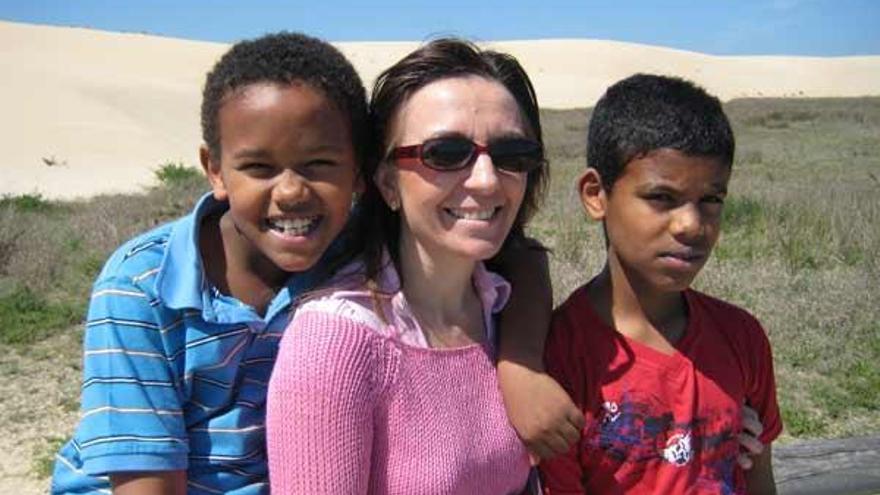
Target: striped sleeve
<point x="131" y="413"/>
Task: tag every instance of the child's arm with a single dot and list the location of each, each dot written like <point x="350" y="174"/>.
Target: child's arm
<point x="149" y="483"/>
<point x="759" y="479"/>
<point x="539" y="409"/>
<point x="129" y="392"/>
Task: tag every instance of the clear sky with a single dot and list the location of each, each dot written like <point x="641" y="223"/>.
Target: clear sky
<point x="721" y="27"/>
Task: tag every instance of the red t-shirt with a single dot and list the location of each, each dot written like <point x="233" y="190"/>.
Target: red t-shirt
<point x="660" y="423"/>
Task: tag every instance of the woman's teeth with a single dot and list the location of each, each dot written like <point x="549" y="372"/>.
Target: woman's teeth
<point x="293" y="226"/>
<point x="472" y="214"/>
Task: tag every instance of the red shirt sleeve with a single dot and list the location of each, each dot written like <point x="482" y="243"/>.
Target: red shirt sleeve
<point x="761" y="389"/>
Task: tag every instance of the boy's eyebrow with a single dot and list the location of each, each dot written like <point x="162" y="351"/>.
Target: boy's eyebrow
<point x="253" y="153"/>
<point x="263" y="154"/>
<point x="659" y="185"/>
<point x="656" y="185"/>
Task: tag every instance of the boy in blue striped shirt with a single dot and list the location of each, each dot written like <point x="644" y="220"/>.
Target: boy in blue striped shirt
<point x="184" y="320"/>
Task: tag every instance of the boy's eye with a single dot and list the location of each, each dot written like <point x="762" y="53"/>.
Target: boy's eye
<point x="660" y="197"/>
<point x="253" y="166"/>
<point x="714" y="199"/>
<point x="321" y="168"/>
<point x="320" y="163"/>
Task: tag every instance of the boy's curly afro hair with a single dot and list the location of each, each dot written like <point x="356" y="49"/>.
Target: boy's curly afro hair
<point x="284" y="58"/>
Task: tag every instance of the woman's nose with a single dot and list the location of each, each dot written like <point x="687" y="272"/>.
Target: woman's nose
<point x="482" y="175"/>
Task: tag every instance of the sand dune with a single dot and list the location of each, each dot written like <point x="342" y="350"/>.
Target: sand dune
<point x="90" y="112"/>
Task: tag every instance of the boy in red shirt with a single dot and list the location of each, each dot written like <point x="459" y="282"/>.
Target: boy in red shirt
<point x="659" y="370"/>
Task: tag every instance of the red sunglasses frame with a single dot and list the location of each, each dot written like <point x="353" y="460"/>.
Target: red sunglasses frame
<point x="414" y="152"/>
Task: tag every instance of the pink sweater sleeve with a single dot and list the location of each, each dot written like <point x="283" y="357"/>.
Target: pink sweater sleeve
<point x="326" y="380"/>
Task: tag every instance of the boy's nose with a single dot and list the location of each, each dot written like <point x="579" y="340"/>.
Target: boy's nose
<point x="482" y="175"/>
<point x="290" y="189"/>
<point x="687" y="222"/>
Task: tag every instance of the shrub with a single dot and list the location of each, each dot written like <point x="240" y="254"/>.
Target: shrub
<point x="26" y="202"/>
<point x="176" y="173"/>
<point x="27" y="317"/>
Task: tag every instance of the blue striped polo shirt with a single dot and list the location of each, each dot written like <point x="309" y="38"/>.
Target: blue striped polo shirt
<point x="174" y="372"/>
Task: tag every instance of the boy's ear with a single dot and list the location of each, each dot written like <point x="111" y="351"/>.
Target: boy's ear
<point x="213" y="172"/>
<point x="593" y="195"/>
<point x="386" y="181"/>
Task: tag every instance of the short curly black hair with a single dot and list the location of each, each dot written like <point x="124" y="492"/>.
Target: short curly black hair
<point x="644" y="112"/>
<point x="284" y="58"/>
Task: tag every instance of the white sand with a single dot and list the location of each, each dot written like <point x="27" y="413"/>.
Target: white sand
<point x="106" y="109"/>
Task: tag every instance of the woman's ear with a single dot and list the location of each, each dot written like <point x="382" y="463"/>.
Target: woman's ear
<point x="211" y="166"/>
<point x="360" y="185"/>
<point x="592" y="194"/>
<point x="386" y="181"/>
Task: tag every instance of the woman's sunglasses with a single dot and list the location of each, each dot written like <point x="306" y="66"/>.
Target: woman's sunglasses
<point x="456" y="153"/>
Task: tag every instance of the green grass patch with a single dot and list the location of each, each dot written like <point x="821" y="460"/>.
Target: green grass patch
<point x="26" y="317"/>
<point x="862" y="384"/>
<point x="742" y="213"/>
<point x="800" y="423"/>
<point x="27" y="202"/>
<point x="804" y="237"/>
<point x="743" y="227"/>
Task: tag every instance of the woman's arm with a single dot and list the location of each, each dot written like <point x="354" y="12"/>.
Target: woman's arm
<point x="538" y="408"/>
<point x="319" y="422"/>
<point x="564" y="473"/>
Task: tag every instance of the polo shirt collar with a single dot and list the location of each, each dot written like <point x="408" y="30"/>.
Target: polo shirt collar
<point x="181" y="281"/>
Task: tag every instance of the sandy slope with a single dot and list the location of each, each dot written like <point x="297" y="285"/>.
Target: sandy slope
<point x="105" y="109"/>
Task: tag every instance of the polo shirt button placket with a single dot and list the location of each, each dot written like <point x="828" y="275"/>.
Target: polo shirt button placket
<point x="257" y="327"/>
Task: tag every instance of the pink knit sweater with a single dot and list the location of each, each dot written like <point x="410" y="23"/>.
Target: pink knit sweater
<point x="354" y="409"/>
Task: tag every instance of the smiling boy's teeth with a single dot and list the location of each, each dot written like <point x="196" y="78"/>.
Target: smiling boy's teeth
<point x="473" y="215"/>
<point x="293" y="226"/>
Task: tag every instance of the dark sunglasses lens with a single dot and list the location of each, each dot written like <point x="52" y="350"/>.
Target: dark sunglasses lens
<point x="447" y="154"/>
<point x="517" y="155"/>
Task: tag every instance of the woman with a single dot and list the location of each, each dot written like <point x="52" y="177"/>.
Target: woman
<point x="386" y="383"/>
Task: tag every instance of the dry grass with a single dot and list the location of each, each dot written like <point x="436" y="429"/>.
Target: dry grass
<point x="799" y="250"/>
<point x="50" y="252"/>
<point x="39" y="402"/>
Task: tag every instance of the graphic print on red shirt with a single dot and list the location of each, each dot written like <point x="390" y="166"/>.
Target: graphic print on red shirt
<point x="659" y="423"/>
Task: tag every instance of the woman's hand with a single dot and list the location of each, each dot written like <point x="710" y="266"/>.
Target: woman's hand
<point x="750" y="446"/>
<point x="540" y="411"/>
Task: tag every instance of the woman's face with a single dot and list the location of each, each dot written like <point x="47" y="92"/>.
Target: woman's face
<point x="460" y="214"/>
